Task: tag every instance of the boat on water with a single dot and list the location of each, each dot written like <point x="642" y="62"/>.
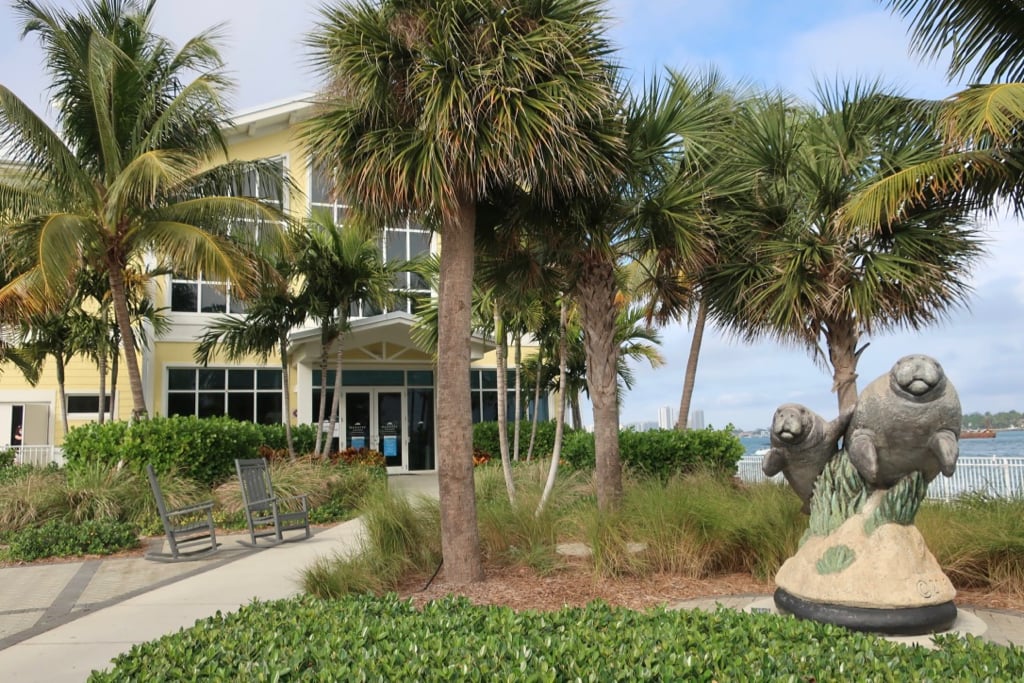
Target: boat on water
<point x="978" y="434"/>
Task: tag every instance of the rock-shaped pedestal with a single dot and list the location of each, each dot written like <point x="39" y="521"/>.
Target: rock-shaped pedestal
<point x="868" y="578"/>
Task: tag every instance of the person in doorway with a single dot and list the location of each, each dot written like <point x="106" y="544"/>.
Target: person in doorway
<point x="17" y="435"/>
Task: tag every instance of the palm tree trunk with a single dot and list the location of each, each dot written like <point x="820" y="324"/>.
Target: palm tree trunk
<point x="62" y="395"/>
<point x="596" y="289"/>
<point x="119" y="298"/>
<point x="502" y="372"/>
<point x="556" y="451"/>
<point x="577" y="413"/>
<point x="286" y="396"/>
<point x="335" y="403"/>
<point x="114" y="367"/>
<point x="321" y="412"/>
<point x="518" y="395"/>
<point x="535" y="418"/>
<point x="102" y="369"/>
<point x="691" y="365"/>
<point x="841" y="338"/>
<point x="460" y="537"/>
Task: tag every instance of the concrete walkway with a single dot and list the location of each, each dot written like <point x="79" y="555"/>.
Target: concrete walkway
<point x="58" y="622"/>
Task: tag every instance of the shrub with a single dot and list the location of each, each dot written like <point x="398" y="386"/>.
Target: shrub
<point x="388" y="639"/>
<point x="201" y="449"/>
<point x="485" y="437"/>
<point x="663" y="452"/>
<point x="59" y="538"/>
<point x="7" y="456"/>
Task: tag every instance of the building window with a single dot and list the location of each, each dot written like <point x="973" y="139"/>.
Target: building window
<point x="483" y="386"/>
<point x="200" y="295"/>
<point x="87" y="404"/>
<point x="401" y="242"/>
<point x="248" y="394"/>
<point x="203" y="296"/>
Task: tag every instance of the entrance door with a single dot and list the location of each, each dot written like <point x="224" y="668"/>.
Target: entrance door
<point x="374" y="418"/>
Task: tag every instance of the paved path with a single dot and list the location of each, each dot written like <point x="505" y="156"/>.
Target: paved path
<point x="58" y="622"/>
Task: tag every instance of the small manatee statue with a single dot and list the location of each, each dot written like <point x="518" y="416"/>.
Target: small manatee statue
<point x="802" y="442"/>
<point x="905" y="421"/>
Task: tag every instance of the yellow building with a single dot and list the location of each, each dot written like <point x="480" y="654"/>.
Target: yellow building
<point x="388" y="381"/>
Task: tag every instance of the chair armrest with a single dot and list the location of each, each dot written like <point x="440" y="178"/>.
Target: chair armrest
<point x="302" y="496"/>
<point x="191" y="509"/>
<point x="266" y="502"/>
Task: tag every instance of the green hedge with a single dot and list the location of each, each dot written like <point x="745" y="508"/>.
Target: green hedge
<point x="201" y="449"/>
<point x="367" y="638"/>
<point x="662" y="452"/>
<point x="485" y="438"/>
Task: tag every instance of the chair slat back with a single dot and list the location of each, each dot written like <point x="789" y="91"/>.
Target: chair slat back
<point x="254" y="478"/>
<point x="154" y="484"/>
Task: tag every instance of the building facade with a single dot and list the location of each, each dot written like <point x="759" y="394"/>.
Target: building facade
<point x="388" y="381"/>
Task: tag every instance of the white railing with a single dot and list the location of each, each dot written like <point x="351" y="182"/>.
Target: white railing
<point x="992" y="476"/>
<point x="40" y="456"/>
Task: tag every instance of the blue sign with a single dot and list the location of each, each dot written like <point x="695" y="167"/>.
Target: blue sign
<point x="390" y="446"/>
<point x="358" y="442"/>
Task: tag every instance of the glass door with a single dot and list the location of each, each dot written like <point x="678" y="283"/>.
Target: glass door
<point x="357" y="419"/>
<point x="374" y="418"/>
<point x="389" y="428"/>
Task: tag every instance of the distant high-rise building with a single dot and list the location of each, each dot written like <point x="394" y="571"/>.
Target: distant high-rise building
<point x="697" y="419"/>
<point x="666" y="417"/>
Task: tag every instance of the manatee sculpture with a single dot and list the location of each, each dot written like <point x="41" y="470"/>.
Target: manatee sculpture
<point x="905" y="421"/>
<point x="802" y="442"/>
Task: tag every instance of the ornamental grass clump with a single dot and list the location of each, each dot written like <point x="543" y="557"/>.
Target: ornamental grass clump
<point x="401" y="537"/>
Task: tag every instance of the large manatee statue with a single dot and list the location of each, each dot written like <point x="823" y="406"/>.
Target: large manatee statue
<point x="905" y="421"/>
<point x="802" y="442"/>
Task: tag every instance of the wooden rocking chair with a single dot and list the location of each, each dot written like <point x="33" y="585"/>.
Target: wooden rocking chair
<point x="267" y="515"/>
<point x="189" y="530"/>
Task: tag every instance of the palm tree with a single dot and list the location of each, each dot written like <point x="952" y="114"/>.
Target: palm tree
<point x="795" y="269"/>
<point x="981" y="125"/>
<point x="263" y="330"/>
<point x="431" y="107"/>
<point x="340" y="266"/>
<point x="654" y="210"/>
<point x="130" y="169"/>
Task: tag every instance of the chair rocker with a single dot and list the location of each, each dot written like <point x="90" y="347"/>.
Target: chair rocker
<point x="190" y="532"/>
<point x="267" y="515"/>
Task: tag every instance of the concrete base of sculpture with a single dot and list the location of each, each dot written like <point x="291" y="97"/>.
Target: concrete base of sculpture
<point x="907" y="621"/>
<point x="868" y="578"/>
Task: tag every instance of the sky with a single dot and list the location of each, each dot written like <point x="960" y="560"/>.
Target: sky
<point x="784" y="44"/>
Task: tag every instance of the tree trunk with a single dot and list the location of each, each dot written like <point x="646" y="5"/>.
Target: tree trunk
<point x="577" y="412"/>
<point x="501" y="360"/>
<point x="119" y="298"/>
<point x="321" y="412"/>
<point x="691" y="365"/>
<point x="286" y="396"/>
<point x="556" y="451"/>
<point x="101" y="366"/>
<point x="335" y="403"/>
<point x="114" y="366"/>
<point x="596" y="289"/>
<point x="61" y="393"/>
<point x="841" y="338"/>
<point x="460" y="536"/>
<point x="518" y="395"/>
<point x="535" y="418"/>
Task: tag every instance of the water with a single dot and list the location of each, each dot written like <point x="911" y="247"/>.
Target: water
<point x="1007" y="444"/>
